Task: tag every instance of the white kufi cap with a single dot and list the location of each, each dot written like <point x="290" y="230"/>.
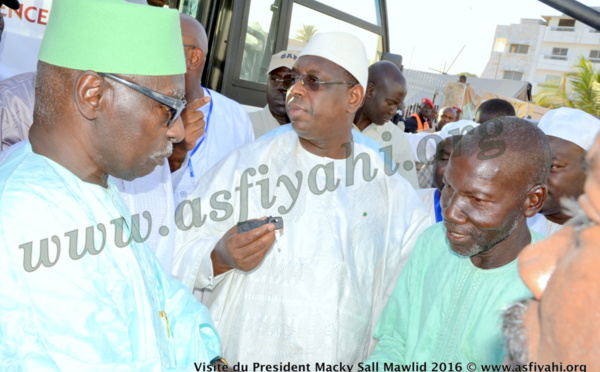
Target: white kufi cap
<point x="343" y="49"/>
<point x="571" y="125"/>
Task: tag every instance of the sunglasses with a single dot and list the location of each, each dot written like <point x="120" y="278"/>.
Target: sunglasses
<point x="276" y="81"/>
<point x="312" y="82"/>
<point x="175" y="105"/>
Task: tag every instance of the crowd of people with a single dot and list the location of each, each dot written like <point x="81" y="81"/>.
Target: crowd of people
<point x="150" y="223"/>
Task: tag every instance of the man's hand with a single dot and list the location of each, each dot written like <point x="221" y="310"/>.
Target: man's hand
<point x="193" y="122"/>
<point x="243" y="251"/>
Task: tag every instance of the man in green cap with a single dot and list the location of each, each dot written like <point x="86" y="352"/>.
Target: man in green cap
<point x="80" y="289"/>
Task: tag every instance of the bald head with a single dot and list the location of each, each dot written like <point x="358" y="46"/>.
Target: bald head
<point x="195" y="46"/>
<point x="385" y="71"/>
<point x="386" y="91"/>
<point x="193" y="32"/>
<point x="493" y="108"/>
<point x="447" y="115"/>
<point x="522" y="148"/>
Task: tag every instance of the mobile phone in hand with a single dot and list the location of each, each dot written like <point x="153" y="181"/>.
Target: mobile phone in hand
<point x="251" y="225"/>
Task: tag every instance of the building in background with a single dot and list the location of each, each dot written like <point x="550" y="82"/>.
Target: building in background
<point x="541" y="51"/>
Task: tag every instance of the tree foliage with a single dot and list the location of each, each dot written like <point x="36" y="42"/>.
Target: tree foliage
<point x="305" y="33"/>
<point x="584" y="93"/>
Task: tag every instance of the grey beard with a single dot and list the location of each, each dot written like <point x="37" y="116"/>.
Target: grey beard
<point x="164" y="153"/>
<point x="478" y="249"/>
<point x="579" y="219"/>
<point x="514" y="333"/>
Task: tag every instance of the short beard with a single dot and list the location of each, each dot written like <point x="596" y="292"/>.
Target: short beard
<point x="514" y="333"/>
<point x="480" y="248"/>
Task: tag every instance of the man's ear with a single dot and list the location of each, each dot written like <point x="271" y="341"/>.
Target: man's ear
<point x="89" y="93"/>
<point x="370" y="90"/>
<point x="534" y="200"/>
<point x="356" y="98"/>
<point x="195" y="59"/>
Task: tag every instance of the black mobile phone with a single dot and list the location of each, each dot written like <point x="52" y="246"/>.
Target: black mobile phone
<point x="251" y="225"/>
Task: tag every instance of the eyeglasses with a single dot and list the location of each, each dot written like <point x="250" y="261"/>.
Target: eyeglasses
<point x="175" y="105"/>
<point x="191" y="46"/>
<point x="311" y="81"/>
<point x="276" y="81"/>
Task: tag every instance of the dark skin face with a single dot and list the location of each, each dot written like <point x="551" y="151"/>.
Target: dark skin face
<point x="145" y="141"/>
<point x="433" y="115"/>
<point x="323" y="119"/>
<point x="382" y="100"/>
<point x="567" y="177"/>
<point x="276" y="95"/>
<point x="104" y="135"/>
<point x="442" y="155"/>
<point x="425" y="111"/>
<point x="448" y="116"/>
<point x="484" y="205"/>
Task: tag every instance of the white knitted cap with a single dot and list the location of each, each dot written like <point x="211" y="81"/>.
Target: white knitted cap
<point x="572" y="125"/>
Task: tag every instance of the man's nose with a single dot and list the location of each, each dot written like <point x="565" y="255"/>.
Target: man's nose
<point x="298" y="88"/>
<point x="538" y="261"/>
<point x="177" y="131"/>
<point x="451" y="208"/>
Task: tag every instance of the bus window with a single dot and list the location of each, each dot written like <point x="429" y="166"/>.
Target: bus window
<point x="189" y="7"/>
<point x="306" y="22"/>
<point x="367" y="10"/>
<point x="261" y="32"/>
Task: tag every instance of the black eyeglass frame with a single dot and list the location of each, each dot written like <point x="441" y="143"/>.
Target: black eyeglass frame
<point x="175" y="105"/>
<point x="292" y="79"/>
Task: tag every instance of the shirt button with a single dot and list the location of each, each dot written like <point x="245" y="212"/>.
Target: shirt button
<point x="183" y="194"/>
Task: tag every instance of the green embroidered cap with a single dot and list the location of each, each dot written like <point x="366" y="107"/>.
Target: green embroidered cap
<point x="113" y="36"/>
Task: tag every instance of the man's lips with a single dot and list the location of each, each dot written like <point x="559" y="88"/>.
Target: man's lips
<point x="455" y="235"/>
<point x="294" y="109"/>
